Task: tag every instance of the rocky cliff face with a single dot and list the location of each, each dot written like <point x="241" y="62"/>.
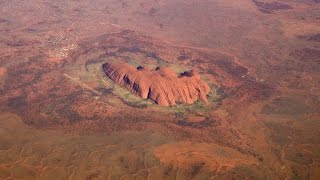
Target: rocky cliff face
<point x="161" y="85"/>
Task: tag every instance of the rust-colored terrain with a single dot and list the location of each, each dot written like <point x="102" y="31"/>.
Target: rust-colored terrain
<point x="161" y="85"/>
<point x="179" y="89"/>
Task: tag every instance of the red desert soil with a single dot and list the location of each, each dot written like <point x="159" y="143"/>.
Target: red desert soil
<point x="2" y="71"/>
<point x="161" y="85"/>
<point x="213" y="157"/>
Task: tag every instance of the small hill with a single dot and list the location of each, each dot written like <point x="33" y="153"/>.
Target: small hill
<point x="161" y="85"/>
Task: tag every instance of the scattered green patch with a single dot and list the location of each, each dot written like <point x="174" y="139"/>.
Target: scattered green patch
<point x="214" y="94"/>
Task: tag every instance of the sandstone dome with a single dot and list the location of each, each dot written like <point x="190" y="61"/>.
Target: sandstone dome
<point x="161" y="85"/>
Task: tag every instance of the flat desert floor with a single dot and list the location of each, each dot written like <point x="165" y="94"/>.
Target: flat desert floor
<point x="61" y="117"/>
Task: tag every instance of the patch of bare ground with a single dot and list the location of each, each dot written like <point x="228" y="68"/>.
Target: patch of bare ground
<point x="3" y="72"/>
<point x="210" y="156"/>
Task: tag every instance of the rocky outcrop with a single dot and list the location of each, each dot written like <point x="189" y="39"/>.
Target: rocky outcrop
<point x="161" y="85"/>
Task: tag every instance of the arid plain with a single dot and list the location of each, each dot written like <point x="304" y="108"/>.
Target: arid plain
<point x="62" y="117"/>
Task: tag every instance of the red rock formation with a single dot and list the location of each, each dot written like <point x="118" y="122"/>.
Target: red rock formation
<point x="161" y="85"/>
